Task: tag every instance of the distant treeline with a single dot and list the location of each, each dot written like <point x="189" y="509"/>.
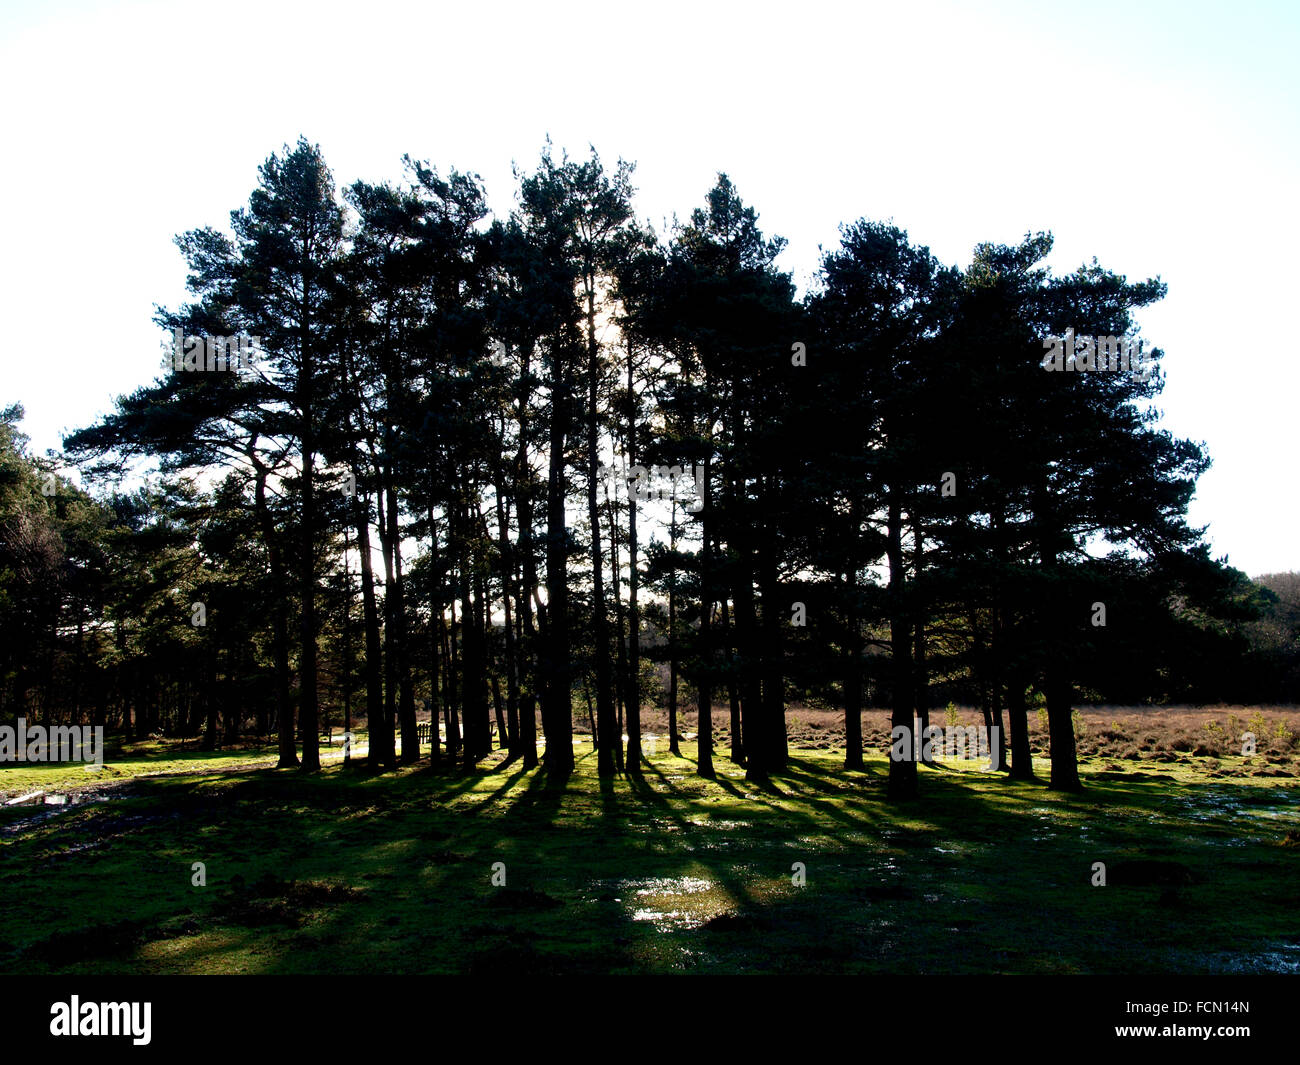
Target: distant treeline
<point x="497" y="466"/>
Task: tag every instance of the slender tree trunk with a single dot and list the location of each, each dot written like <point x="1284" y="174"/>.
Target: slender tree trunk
<point x="309" y="712"/>
<point x="727" y="640"/>
<point x="381" y="754"/>
<point x="771" y="640"/>
<point x="902" y="771"/>
<point x="609" y="737"/>
<point x="1056" y="683"/>
<point x="620" y="644"/>
<point x="634" y="583"/>
<point x="405" y="679"/>
<point x="557" y="712"/>
<point x="391" y="635"/>
<point x="478" y="739"/>
<point x="349" y="657"/>
<point x="435" y="646"/>
<point x="406" y="689"/>
<point x="920" y="670"/>
<point x="505" y="559"/>
<point x="279" y="625"/>
<point x="673" y="655"/>
<point x="453" y="700"/>
<point x="853" y="672"/>
<point x="758" y="748"/>
<point x="998" y="738"/>
<point x="498" y="706"/>
<point x="704" y="738"/>
<point x="528" y="698"/>
<point x="524" y="508"/>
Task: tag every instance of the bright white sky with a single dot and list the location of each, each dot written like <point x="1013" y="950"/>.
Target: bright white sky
<point x="1159" y="137"/>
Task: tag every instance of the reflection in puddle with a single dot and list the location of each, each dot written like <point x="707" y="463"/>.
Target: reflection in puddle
<point x="44" y="805"/>
<point x="1284" y="958"/>
<point x="682" y="885"/>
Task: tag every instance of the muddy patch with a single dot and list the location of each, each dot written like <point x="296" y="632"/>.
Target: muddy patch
<point x="522" y="900"/>
<point x="270" y="901"/>
<point x="1146" y="872"/>
<point x="87" y="944"/>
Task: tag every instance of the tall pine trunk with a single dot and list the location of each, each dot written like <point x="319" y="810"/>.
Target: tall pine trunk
<point x="852" y="671"/>
<point x="704" y="733"/>
<point x="557" y="712"/>
<point x="902" y="770"/>
<point x="609" y="736"/>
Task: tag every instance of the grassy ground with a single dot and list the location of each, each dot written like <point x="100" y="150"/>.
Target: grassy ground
<point x="342" y="872"/>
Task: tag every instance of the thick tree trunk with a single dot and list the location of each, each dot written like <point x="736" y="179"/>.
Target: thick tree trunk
<point x="1056" y="682"/>
<point x="1065" y="765"/>
<point x="1022" y="761"/>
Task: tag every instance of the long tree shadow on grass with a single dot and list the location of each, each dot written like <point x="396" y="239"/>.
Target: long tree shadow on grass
<point x="652" y="873"/>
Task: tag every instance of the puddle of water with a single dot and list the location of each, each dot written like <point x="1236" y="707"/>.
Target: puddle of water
<point x="44" y="805"/>
<point x="668" y="921"/>
<point x="658" y="901"/>
<point x="1285" y="958"/>
<point x="682" y="885"/>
